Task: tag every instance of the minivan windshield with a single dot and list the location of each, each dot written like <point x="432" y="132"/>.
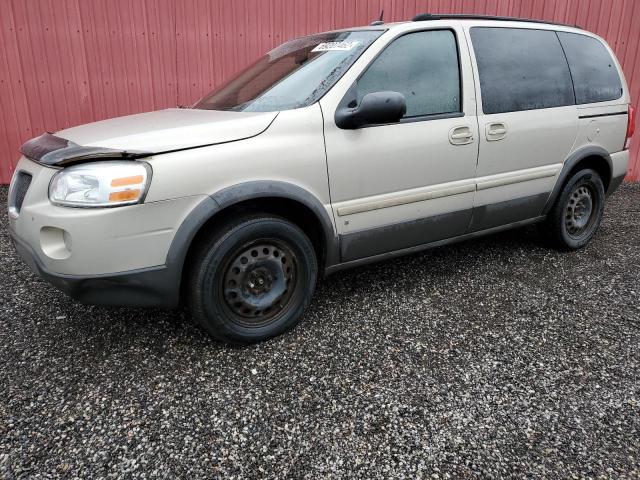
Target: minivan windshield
<point x="293" y="75"/>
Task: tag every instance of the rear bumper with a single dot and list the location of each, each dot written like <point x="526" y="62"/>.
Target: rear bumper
<point x="619" y="164"/>
<point x="147" y="287"/>
<point x="614" y="184"/>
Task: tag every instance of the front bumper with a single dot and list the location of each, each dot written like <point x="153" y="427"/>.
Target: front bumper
<point x="146" y="287"/>
<point x="104" y="256"/>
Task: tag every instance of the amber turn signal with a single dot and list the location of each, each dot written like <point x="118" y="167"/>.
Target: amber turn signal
<point x="122" y="182"/>
<point x="124" y="195"/>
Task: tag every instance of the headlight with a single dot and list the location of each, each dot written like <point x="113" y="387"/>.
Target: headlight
<point x="100" y="184"/>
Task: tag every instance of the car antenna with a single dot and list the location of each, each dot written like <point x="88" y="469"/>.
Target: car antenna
<point x="380" y="21"/>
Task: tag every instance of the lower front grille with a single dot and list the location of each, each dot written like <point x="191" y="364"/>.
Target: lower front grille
<point x="19" y="191"/>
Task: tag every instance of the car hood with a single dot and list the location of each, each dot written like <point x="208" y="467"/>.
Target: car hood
<point x="168" y="130"/>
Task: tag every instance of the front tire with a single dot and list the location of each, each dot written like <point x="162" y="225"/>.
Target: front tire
<point x="252" y="279"/>
<point x="577" y="213"/>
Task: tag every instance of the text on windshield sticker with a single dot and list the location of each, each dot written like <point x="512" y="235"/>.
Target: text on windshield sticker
<point x="328" y="46"/>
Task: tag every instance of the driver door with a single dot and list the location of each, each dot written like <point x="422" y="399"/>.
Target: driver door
<point x="401" y="185"/>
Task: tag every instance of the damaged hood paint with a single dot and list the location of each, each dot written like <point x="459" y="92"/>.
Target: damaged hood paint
<point x="146" y="134"/>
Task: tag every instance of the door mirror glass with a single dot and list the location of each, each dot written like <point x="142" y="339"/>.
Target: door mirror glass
<point x="374" y="108"/>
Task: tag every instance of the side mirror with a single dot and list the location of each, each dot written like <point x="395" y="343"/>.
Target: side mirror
<point x="374" y="108"/>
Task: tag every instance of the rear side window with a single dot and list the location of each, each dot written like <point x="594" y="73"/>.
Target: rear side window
<point x="521" y="69"/>
<point x="423" y="66"/>
<point x="595" y="76"/>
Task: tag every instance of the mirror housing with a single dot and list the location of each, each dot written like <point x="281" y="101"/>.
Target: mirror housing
<point x="375" y="108"/>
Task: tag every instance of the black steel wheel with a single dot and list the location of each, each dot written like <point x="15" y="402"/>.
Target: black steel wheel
<point x="259" y="281"/>
<point x="251" y="278"/>
<point x="577" y="213"/>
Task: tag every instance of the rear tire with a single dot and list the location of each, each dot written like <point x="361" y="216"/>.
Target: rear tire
<point x="577" y="213"/>
<point x="252" y="279"/>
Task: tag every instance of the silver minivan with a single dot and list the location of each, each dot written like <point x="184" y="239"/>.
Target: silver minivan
<point x="331" y="151"/>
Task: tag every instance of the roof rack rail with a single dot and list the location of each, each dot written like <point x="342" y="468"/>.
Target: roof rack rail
<point x="463" y="16"/>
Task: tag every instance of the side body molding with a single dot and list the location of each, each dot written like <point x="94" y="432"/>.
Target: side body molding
<point x="236" y="194"/>
<point x="572" y="161"/>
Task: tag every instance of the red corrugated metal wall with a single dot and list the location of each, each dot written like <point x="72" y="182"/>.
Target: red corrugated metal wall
<point x="66" y="62"/>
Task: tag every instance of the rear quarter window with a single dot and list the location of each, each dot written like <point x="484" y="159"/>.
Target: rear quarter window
<point x="521" y="69"/>
<point x="595" y="76"/>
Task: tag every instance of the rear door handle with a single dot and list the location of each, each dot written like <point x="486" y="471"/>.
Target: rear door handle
<point x="496" y="131"/>
<point x="460" y="135"/>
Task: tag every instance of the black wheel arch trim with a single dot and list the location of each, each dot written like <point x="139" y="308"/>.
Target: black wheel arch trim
<point x="235" y="194"/>
<point x="269" y="189"/>
<point x="569" y="165"/>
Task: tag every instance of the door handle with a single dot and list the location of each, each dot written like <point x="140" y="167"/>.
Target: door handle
<point x="496" y="131"/>
<point x="460" y="135"/>
<point x="463" y="135"/>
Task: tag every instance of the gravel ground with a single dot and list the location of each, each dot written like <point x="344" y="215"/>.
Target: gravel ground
<point x="491" y="358"/>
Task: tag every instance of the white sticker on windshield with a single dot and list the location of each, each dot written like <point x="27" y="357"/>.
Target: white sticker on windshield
<point x="327" y="46"/>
